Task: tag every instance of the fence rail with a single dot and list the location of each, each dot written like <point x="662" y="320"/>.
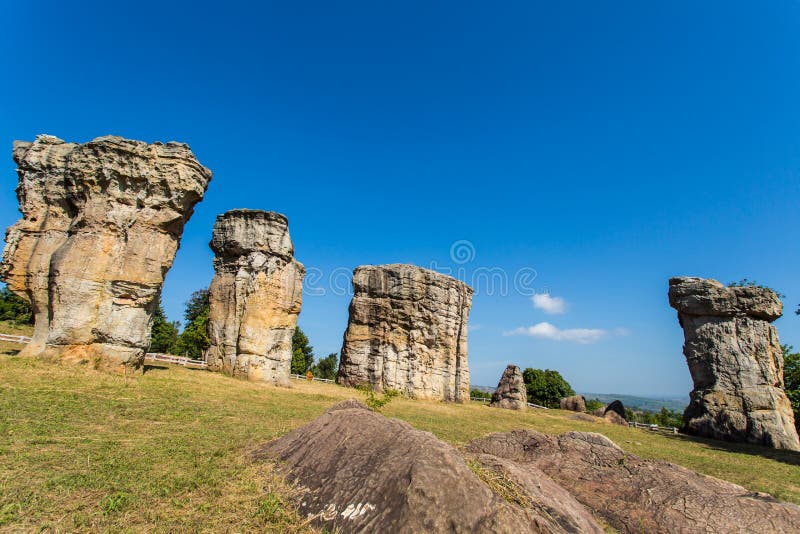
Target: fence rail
<point x="177" y="360"/>
<point x="654" y="428"/>
<point x="530" y="404"/>
<point x="15" y="339"/>
<point x="314" y="378"/>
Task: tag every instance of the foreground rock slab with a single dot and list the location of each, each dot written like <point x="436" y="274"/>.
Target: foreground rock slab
<point x="407" y="331"/>
<point x="736" y="363"/>
<point x="636" y="495"/>
<point x="101" y="223"/>
<point x="363" y="472"/>
<point x="255" y="296"/>
<point x="511" y="392"/>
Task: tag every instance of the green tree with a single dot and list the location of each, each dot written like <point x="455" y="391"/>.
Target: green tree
<point x="163" y="334"/>
<point x="326" y="367"/>
<point x="194" y="341"/>
<point x="13" y="308"/>
<point x="546" y="387"/>
<point x="302" y="353"/>
<point x="593" y="404"/>
<point x="791" y="380"/>
<point x="478" y="394"/>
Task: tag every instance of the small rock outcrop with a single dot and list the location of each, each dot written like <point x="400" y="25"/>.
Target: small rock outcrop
<point x="101" y="223"/>
<point x="362" y="472"/>
<point x="575" y="403"/>
<point x="736" y="363"/>
<point x="408" y="332"/>
<point x="616" y="407"/>
<point x="511" y="392"/>
<point x="636" y="495"/>
<point x="255" y="296"/>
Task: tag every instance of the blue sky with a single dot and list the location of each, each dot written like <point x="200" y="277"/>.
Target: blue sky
<point x="605" y="146"/>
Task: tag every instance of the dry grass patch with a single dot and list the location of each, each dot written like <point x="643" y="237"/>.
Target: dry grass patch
<point x="81" y="450"/>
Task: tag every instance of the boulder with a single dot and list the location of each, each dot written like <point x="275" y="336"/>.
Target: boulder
<point x="736" y="363"/>
<point x="511" y="392"/>
<point x="362" y="472"/>
<point x="576" y="403"/>
<point x="616" y="407"/>
<point x="255" y="296"/>
<point x="407" y="331"/>
<point x="613" y="417"/>
<point x="101" y="223"/>
<point x="599" y="412"/>
<point x="636" y="495"/>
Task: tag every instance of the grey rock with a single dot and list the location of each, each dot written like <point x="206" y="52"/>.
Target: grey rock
<point x="616" y="407"/>
<point x="511" y="392"/>
<point x="575" y="403"/>
<point x="407" y="331"/>
<point x="736" y="363"/>
<point x="101" y="223"/>
<point x="255" y="296"/>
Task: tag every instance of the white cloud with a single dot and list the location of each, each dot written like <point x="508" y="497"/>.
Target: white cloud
<point x="548" y="304"/>
<point x="549" y="331"/>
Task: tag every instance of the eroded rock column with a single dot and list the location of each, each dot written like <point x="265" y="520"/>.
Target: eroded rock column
<point x="511" y="392"/>
<point x="736" y="363"/>
<point x="407" y="331"/>
<point x="101" y="223"/>
<point x="255" y="296"/>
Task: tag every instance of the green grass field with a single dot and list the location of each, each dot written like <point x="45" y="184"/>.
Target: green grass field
<point x="168" y="450"/>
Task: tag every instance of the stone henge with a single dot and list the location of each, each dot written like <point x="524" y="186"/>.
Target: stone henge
<point x="408" y="332"/>
<point x="736" y="363"/>
<point x="101" y="223"/>
<point x="255" y="296"/>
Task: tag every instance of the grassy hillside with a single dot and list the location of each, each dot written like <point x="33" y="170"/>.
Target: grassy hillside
<point x="167" y="450"/>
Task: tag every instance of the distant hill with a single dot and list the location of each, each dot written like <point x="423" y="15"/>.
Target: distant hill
<point x="643" y="403"/>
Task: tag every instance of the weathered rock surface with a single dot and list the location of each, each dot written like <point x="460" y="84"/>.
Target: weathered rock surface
<point x="511" y="392"/>
<point x="613" y="417"/>
<point x="101" y="223"/>
<point x="407" y="331"/>
<point x="736" y="363"/>
<point x="636" y="495"/>
<point x="575" y="403"/>
<point x="255" y="296"/>
<point x="616" y="407"/>
<point x="362" y="472"/>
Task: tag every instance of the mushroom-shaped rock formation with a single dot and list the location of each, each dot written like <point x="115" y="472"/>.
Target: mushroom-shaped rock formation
<point x="407" y="331"/>
<point x="101" y="223"/>
<point x="255" y="296"/>
<point x="736" y="363"/>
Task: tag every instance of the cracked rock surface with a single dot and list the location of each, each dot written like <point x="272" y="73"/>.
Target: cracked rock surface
<point x="736" y="363"/>
<point x="637" y="495"/>
<point x="101" y="223"/>
<point x="255" y="296"/>
<point x="407" y="331"/>
<point x="362" y="472"/>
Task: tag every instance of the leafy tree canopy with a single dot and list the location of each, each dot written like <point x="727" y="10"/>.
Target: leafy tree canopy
<point x="13" y="308"/>
<point x="326" y="367"/>
<point x="302" y="353"/>
<point x="194" y="340"/>
<point x="163" y="334"/>
<point x="546" y="387"/>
